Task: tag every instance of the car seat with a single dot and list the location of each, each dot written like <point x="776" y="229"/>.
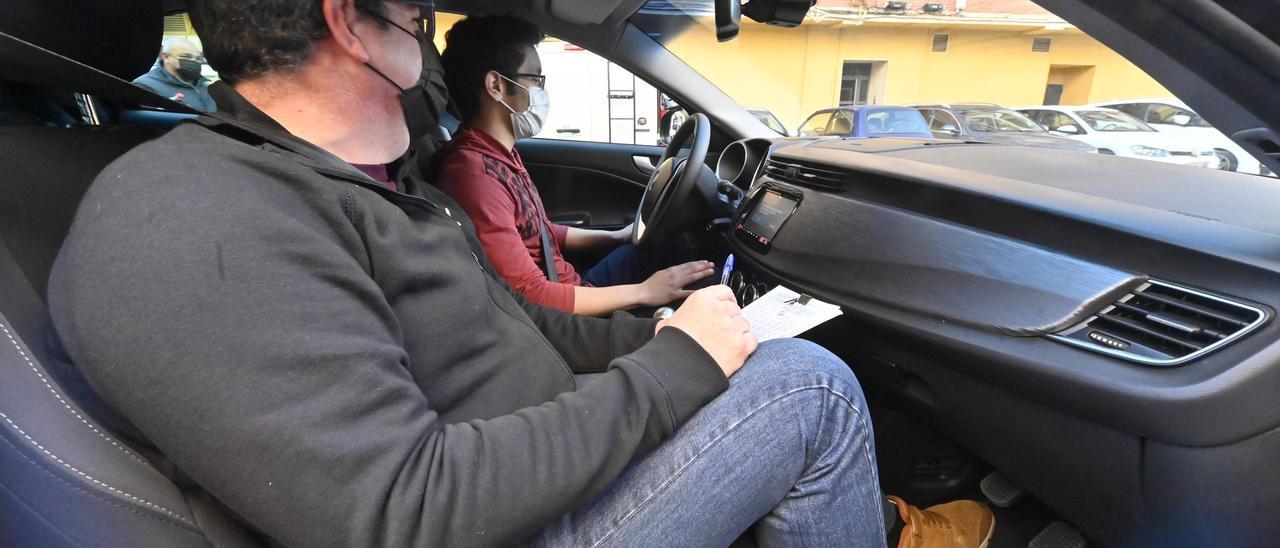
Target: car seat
<point x="67" y="478"/>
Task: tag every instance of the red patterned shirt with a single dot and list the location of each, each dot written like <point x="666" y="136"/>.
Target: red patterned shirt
<point x="490" y="182"/>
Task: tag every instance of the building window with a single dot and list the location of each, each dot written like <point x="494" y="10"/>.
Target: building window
<point x="940" y="43"/>
<point x="177" y="24"/>
<point x="855" y="82"/>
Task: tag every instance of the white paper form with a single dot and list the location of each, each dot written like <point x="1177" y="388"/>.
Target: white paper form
<point x="780" y="314"/>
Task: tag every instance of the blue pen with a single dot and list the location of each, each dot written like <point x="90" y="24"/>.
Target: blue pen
<point x="728" y="269"/>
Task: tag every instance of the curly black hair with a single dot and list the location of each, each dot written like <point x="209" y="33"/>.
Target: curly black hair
<point x="477" y="45"/>
<point x="245" y="39"/>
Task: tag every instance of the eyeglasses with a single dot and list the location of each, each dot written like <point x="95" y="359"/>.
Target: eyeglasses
<point x="541" y="79"/>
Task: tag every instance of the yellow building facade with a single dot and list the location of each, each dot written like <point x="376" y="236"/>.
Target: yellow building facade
<point x="794" y="72"/>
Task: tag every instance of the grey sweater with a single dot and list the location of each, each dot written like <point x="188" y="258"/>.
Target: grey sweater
<point x="334" y="361"/>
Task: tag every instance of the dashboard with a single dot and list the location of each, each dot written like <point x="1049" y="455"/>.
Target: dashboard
<point x="1112" y="316"/>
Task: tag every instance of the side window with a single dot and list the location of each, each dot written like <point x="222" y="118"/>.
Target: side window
<point x="815" y="126"/>
<point x="1060" y="120"/>
<point x="180" y="72"/>
<point x="1169" y="114"/>
<point x="981" y="121"/>
<point x="1055" y="120"/>
<point x="1136" y="110"/>
<point x="1038" y="116"/>
<point x="841" y="123"/>
<point x="931" y="117"/>
<point x="593" y="99"/>
<point x="943" y="122"/>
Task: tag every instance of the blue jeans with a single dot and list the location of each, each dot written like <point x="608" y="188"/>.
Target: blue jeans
<point x="628" y="264"/>
<point x="789" y="446"/>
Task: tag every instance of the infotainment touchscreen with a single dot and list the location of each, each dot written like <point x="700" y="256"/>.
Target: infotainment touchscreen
<point x="764" y="220"/>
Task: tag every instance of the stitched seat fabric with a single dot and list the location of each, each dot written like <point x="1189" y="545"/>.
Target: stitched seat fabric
<point x="67" y="478"/>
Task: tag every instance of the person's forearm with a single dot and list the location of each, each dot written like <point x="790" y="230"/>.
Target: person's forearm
<point x="596" y="301"/>
<point x="582" y="238"/>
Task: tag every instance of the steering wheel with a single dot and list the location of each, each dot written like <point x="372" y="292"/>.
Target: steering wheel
<point x="673" y="182"/>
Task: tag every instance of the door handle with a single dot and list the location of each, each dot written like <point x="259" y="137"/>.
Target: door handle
<point x="572" y="218"/>
<point x="644" y="164"/>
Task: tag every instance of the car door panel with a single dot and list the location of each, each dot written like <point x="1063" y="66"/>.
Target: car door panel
<point x="588" y="184"/>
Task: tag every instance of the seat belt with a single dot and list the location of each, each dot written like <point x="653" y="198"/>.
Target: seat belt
<point x="548" y="256"/>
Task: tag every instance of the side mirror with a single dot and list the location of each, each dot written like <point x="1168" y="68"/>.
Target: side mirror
<point x="670" y="124"/>
<point x="1069" y="128"/>
<point x="950" y="129"/>
<point x="728" y="13"/>
<point x="1180" y="119"/>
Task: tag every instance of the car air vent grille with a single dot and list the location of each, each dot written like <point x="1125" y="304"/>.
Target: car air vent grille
<point x="806" y="174"/>
<point x="1164" y="324"/>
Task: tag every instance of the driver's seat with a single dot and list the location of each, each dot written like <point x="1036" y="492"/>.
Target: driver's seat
<point x="66" y="479"/>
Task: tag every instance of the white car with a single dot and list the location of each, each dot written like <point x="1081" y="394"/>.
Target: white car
<point x="1174" y="117"/>
<point x="1114" y="132"/>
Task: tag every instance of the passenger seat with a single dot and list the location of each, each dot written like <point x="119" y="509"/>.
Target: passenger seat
<point x="65" y="478"/>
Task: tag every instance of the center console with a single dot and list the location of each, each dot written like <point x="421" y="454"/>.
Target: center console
<point x="763" y="216"/>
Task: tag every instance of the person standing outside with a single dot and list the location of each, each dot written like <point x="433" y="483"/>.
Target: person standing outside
<point x="177" y="75"/>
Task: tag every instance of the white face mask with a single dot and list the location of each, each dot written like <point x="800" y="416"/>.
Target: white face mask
<point x="528" y="123"/>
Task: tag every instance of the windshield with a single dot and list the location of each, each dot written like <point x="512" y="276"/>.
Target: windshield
<point x="1101" y="120"/>
<point x="895" y="121"/>
<point x="1006" y="53"/>
<point x="999" y="121"/>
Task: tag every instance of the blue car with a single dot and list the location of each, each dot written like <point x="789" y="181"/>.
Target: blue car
<point x="866" y="121"/>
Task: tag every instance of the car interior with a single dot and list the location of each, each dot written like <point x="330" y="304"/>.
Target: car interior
<point x="1087" y="343"/>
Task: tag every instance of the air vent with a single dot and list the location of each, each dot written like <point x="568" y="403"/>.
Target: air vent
<point x="1041" y="45"/>
<point x="940" y="43"/>
<point x="176" y="24"/>
<point x="1164" y="324"/>
<point x="806" y="174"/>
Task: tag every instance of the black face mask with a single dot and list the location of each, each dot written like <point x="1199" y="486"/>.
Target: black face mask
<point x="189" y="69"/>
<point x="424" y="102"/>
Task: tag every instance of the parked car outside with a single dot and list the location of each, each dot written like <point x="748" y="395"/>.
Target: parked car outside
<point x="859" y="122"/>
<point x="1175" y="117"/>
<point x="988" y="123"/>
<point x="770" y="121"/>
<point x="1114" y="132"/>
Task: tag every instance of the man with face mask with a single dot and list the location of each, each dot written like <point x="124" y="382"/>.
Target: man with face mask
<point x="496" y="80"/>
<point x="177" y="75"/>
<point x="332" y="357"/>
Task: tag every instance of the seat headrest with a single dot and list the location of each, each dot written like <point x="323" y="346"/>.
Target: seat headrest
<point x="120" y="37"/>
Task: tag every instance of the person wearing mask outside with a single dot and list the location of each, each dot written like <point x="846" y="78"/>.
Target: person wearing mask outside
<point x="176" y="75"/>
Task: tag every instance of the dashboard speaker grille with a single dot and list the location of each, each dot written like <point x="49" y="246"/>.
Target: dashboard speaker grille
<point x="1164" y="324"/>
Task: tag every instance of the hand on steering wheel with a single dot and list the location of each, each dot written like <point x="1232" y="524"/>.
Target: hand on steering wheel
<point x="672" y="184"/>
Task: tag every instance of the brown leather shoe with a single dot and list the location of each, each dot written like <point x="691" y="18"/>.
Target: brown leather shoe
<point x="956" y="524"/>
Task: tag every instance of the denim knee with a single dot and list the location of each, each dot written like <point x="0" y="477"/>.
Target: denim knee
<point x="798" y="362"/>
<point x="792" y="355"/>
